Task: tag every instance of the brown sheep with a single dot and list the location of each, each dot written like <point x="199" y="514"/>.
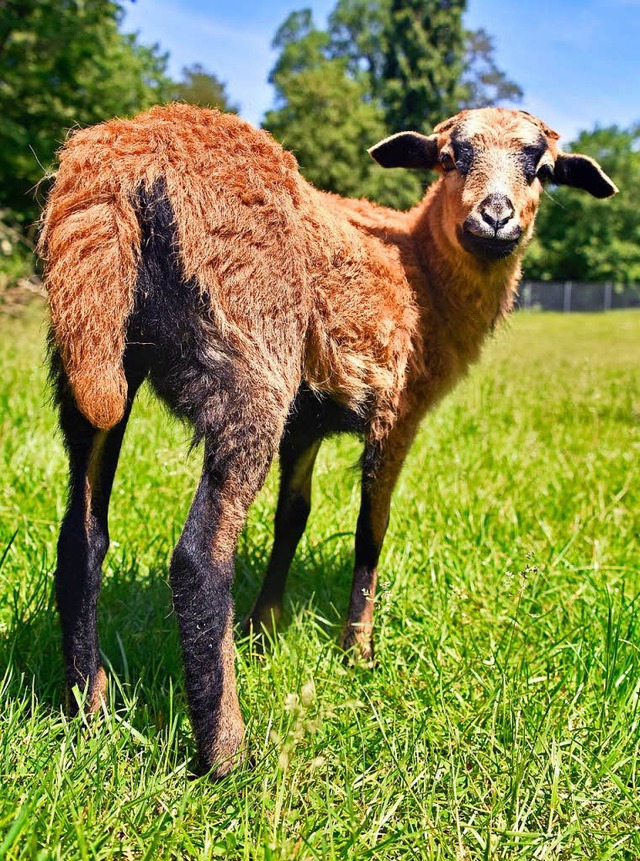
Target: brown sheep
<point x="185" y="246"/>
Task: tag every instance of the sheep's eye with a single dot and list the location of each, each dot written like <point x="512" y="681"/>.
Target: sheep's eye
<point x="447" y="162"/>
<point x="545" y="173"/>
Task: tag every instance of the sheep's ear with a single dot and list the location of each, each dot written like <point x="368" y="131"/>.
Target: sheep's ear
<point x="580" y="171"/>
<point x="407" y="149"/>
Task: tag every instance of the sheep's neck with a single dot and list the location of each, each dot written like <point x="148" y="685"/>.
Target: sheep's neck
<point x="468" y="297"/>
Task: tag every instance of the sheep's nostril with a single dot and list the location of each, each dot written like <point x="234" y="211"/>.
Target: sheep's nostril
<point x="496" y="211"/>
<point x="493" y="221"/>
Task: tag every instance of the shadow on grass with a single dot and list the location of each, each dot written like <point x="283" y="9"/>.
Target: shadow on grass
<point x="138" y="632"/>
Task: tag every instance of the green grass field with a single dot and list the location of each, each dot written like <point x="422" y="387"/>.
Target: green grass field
<point x="502" y="719"/>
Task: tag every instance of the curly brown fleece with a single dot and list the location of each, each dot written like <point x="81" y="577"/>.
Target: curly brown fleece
<point x="256" y="237"/>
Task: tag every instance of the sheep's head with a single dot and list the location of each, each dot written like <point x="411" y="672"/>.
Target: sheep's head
<point x="494" y="165"/>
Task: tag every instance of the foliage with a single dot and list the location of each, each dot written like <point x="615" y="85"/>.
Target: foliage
<point x="63" y="63"/>
<point x="323" y="115"/>
<point x="200" y="87"/>
<point x="16" y="254"/>
<point x="584" y="239"/>
<point x="501" y="720"/>
<point x="360" y="31"/>
<point x="357" y="34"/>
<point x="423" y="62"/>
<point x="382" y="65"/>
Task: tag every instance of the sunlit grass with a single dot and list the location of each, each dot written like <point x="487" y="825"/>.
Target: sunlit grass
<point x="502" y="720"/>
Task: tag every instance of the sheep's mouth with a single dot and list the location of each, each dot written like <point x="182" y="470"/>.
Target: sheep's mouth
<point x="488" y="248"/>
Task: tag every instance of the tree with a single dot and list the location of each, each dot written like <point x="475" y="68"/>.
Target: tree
<point x="356" y="34"/>
<point x="302" y="47"/>
<point x="329" y="127"/>
<point x="323" y="115"/>
<point x="200" y="87"/>
<point x="63" y="63"/>
<point x="359" y="32"/>
<point x="576" y="238"/>
<point x="382" y="66"/>
<point x="423" y="44"/>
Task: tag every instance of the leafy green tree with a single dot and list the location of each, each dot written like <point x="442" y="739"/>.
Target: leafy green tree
<point x="329" y="127"/>
<point x="423" y="41"/>
<point x="200" y="87"/>
<point x="63" y="63"/>
<point x="302" y="47"/>
<point x="584" y="239"/>
<point x="360" y="32"/>
<point x="340" y="90"/>
<point x="324" y="116"/>
<point x="356" y="34"/>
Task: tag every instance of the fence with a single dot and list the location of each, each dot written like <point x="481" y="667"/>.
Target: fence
<point x="577" y="296"/>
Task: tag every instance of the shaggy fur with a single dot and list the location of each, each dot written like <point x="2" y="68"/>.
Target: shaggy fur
<point x="184" y="245"/>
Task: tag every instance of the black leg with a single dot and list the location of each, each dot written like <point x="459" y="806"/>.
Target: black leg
<point x="370" y="531"/>
<point x="84" y="536"/>
<point x="297" y="459"/>
<point x="382" y="465"/>
<point x="202" y="571"/>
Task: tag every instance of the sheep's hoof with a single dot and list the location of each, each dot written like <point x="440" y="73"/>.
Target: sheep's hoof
<point x="229" y="753"/>
<point x="94" y="701"/>
<point x="98" y="696"/>
<point x="262" y="624"/>
<point x="358" y="646"/>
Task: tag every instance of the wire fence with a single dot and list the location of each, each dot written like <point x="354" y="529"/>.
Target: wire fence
<point x="574" y="296"/>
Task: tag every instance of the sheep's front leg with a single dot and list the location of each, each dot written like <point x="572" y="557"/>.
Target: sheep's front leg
<point x="201" y="574"/>
<point x="370" y="531"/>
<point x="297" y="459"/>
<point x="382" y="465"/>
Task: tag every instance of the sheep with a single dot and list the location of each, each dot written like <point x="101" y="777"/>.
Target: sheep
<point x="185" y="247"/>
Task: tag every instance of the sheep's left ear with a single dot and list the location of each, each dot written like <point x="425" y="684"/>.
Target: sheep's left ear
<point x="580" y="171"/>
<point x="407" y="149"/>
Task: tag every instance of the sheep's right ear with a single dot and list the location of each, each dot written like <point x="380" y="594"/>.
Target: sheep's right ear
<point x="407" y="149"/>
<point x="580" y="171"/>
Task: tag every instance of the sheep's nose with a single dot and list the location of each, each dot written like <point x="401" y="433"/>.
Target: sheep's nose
<point x="496" y="210"/>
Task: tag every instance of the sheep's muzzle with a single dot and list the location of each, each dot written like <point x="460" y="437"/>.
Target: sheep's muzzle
<point x="492" y="230"/>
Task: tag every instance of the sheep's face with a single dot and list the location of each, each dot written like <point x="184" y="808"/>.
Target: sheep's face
<point x="494" y="164"/>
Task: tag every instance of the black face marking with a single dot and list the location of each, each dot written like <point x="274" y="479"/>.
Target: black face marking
<point x="529" y="157"/>
<point x="462" y="152"/>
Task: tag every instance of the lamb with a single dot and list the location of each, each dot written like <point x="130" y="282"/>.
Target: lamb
<point x="185" y="247"/>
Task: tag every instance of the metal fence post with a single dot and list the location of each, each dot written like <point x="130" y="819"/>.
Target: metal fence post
<point x="608" y="289"/>
<point x="567" y="297"/>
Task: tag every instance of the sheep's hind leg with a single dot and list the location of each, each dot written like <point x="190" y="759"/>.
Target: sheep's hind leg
<point x="201" y="575"/>
<point x="297" y="459"/>
<point x="84" y="536"/>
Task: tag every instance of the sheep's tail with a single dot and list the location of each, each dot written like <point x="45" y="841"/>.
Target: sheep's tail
<point x="90" y="242"/>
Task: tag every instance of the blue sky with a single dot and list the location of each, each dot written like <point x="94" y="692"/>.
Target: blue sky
<point x="578" y="61"/>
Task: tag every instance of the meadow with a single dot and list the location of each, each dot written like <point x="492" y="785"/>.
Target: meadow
<point x="502" y="719"/>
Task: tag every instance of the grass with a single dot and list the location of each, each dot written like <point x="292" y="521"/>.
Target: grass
<point x="502" y="720"/>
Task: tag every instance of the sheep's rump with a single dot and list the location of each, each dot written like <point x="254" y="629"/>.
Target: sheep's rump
<point x="287" y="282"/>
